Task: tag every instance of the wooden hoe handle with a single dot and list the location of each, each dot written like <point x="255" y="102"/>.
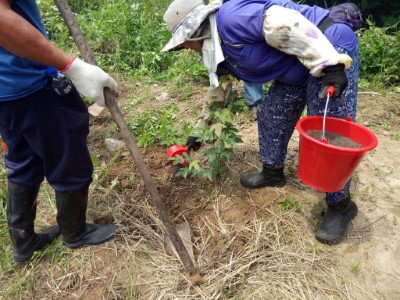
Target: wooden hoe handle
<point x="130" y="141"/>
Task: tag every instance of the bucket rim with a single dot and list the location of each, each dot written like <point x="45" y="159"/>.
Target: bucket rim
<point x="371" y="146"/>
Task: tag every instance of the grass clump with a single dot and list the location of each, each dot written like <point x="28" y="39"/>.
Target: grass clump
<point x="123" y="36"/>
<point x="380" y="55"/>
<point x="159" y="127"/>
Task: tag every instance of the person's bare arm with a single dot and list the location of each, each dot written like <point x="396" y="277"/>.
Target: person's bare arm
<point x="21" y="38"/>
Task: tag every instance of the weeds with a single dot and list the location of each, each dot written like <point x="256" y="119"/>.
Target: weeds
<point x="317" y="247"/>
<point x="355" y="267"/>
<point x="124" y="37"/>
<point x="289" y="204"/>
<point x="127" y="37"/>
<point x="6" y="259"/>
<point x="385" y="124"/>
<point x="364" y="192"/>
<point x="380" y="54"/>
<point x="152" y="127"/>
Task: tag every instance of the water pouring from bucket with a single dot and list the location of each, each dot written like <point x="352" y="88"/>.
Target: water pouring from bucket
<point x="324" y="166"/>
<point x="329" y="93"/>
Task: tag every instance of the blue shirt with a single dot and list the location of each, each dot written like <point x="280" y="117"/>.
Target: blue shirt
<point x="20" y="77"/>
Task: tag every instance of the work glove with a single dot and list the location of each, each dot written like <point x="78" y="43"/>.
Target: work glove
<point x="192" y="143"/>
<point x="89" y="80"/>
<point x="336" y="76"/>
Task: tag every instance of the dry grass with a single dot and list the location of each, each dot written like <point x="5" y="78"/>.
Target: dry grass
<point x="266" y="258"/>
<point x="245" y="247"/>
<point x="249" y="262"/>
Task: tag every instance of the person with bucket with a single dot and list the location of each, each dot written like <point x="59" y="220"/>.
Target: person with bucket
<point x="303" y="50"/>
<point x="45" y="123"/>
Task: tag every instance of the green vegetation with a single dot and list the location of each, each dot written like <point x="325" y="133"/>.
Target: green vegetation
<point x="222" y="137"/>
<point x="123" y="36"/>
<point x="289" y="204"/>
<point x="380" y="55"/>
<point x="317" y="247"/>
<point x="384" y="12"/>
<point x="127" y="38"/>
<point x="355" y="267"/>
<point x="5" y="242"/>
<point x="158" y="127"/>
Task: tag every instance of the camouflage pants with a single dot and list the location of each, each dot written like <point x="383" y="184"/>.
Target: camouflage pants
<point x="283" y="105"/>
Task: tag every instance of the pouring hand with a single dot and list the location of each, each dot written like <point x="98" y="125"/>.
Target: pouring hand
<point x="335" y="76"/>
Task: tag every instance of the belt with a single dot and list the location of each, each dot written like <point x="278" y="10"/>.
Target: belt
<point x="327" y="22"/>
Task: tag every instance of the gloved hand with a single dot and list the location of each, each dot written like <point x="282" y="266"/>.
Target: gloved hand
<point x="336" y="76"/>
<point x="89" y="80"/>
<point x="192" y="144"/>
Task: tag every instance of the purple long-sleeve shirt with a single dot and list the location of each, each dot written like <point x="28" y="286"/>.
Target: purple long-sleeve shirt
<point x="248" y="55"/>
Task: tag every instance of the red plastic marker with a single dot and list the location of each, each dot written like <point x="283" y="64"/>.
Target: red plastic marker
<point x="177" y="150"/>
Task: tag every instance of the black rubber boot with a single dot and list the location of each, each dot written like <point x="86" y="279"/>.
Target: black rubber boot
<point x="269" y="176"/>
<point x="337" y="218"/>
<point x="71" y="218"/>
<point x="21" y="214"/>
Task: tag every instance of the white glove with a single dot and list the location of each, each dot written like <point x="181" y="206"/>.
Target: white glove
<point x="254" y="110"/>
<point x="90" y="80"/>
<point x="289" y="31"/>
<point x="214" y="94"/>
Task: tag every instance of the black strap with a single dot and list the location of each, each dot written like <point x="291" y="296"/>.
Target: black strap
<point x="325" y="24"/>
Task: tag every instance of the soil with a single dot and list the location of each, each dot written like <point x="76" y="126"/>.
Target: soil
<point x="334" y="139"/>
<point x="368" y="258"/>
<point x="245" y="245"/>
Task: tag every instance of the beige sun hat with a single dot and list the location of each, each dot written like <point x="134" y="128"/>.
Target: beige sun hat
<point x="184" y="19"/>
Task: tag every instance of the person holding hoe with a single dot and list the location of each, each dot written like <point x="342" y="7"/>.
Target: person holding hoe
<point x="45" y="123"/>
<point x="301" y="49"/>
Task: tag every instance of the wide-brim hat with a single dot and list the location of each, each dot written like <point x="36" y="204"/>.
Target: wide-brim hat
<point x="184" y="18"/>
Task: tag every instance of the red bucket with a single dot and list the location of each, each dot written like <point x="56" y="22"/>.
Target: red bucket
<point x="326" y="167"/>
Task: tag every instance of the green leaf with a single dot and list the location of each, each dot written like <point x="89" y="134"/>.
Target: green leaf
<point x="217" y="129"/>
<point x="194" y="165"/>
